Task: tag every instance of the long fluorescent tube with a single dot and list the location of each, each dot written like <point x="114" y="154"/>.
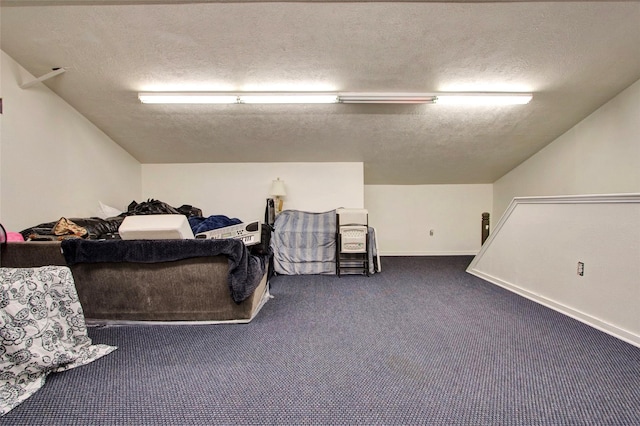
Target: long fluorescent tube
<point x="386" y="98"/>
<point x="452" y="98"/>
<point x="236" y="98"/>
<point x="187" y="98"/>
<point x="287" y="98"/>
<point x="483" y="98"/>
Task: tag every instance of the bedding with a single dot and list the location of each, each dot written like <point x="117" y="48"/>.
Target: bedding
<point x="64" y="228"/>
<point x="305" y="243"/>
<point x="203" y="224"/>
<point x="98" y="228"/>
<point x="95" y="228"/>
<point x="42" y="330"/>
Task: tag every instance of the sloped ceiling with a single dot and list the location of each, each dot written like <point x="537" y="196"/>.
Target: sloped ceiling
<point x="574" y="57"/>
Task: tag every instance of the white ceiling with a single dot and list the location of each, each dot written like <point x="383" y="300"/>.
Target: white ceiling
<point x="574" y="57"/>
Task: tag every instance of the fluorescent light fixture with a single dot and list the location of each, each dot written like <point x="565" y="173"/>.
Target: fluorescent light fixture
<point x="237" y="98"/>
<point x="451" y="98"/>
<point x="483" y="98"/>
<point x="386" y="98"/>
<point x="187" y="98"/>
<point x="287" y="98"/>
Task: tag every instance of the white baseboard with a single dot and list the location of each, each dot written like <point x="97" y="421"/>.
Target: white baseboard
<point x="563" y="309"/>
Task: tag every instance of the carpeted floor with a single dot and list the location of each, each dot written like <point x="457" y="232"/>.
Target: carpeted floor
<point x="423" y="342"/>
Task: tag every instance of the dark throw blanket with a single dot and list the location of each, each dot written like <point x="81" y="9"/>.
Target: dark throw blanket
<point x="245" y="270"/>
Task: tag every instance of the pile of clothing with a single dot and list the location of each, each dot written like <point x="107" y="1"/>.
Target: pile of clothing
<point x="95" y="228"/>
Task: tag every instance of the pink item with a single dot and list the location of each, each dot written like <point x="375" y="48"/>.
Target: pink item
<point x="14" y="236"/>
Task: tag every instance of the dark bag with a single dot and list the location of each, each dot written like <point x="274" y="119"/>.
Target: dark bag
<point x="264" y="247"/>
<point x="190" y="211"/>
<point x="150" y="206"/>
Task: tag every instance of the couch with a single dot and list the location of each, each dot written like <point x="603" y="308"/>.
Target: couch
<point x="187" y="289"/>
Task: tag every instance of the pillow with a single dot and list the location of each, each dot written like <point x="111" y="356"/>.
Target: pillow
<point x="14" y="236"/>
<point x="105" y="211"/>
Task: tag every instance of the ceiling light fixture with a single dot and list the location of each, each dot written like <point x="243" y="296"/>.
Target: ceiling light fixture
<point x="287" y="98"/>
<point x="386" y="98"/>
<point x="237" y="98"/>
<point x="452" y="98"/>
<point x="187" y="98"/>
<point x="483" y="98"/>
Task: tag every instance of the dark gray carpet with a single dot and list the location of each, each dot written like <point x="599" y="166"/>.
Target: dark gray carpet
<point x="421" y="343"/>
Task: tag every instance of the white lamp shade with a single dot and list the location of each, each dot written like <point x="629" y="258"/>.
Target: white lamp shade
<point x="277" y="188"/>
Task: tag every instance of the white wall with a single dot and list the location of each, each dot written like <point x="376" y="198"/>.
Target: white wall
<point x="53" y="161"/>
<point x="536" y="253"/>
<point x="241" y="189"/>
<point x="403" y="216"/>
<point x="1" y="115"/>
<point x="599" y="155"/>
<point x="536" y="248"/>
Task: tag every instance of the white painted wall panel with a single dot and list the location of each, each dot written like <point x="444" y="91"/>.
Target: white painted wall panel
<point x="600" y="155"/>
<point x="403" y="216"/>
<point x="536" y="247"/>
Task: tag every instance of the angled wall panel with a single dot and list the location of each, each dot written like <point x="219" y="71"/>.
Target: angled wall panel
<point x="536" y="248"/>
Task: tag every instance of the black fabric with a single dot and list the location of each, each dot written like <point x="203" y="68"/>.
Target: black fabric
<point x="99" y="229"/>
<point x="150" y="206"/>
<point x="3" y="235"/>
<point x="96" y="227"/>
<point x="264" y="246"/>
<point x="189" y="211"/>
<point x="245" y="270"/>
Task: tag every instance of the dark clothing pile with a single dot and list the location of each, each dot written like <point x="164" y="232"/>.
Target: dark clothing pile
<point x="95" y="228"/>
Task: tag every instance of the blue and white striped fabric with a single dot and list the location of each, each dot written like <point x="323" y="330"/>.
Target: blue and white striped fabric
<point x="304" y="243"/>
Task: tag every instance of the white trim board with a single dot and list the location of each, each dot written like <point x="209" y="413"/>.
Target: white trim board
<point x="563" y="309"/>
<point x="534" y="249"/>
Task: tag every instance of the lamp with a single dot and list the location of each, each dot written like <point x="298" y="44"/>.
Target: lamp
<point x="278" y="191"/>
<point x="457" y="98"/>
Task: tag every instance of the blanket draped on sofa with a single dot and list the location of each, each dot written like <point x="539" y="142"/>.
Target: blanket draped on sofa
<point x="245" y="270"/>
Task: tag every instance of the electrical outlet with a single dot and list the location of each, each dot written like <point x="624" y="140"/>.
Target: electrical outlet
<point x="581" y="268"/>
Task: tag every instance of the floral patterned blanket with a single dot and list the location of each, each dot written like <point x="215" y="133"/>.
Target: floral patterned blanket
<point x="42" y="330"/>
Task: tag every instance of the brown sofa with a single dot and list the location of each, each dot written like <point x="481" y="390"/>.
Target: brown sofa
<point x="192" y="289"/>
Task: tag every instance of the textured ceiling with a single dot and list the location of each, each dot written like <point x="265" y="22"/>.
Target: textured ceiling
<point x="574" y="57"/>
